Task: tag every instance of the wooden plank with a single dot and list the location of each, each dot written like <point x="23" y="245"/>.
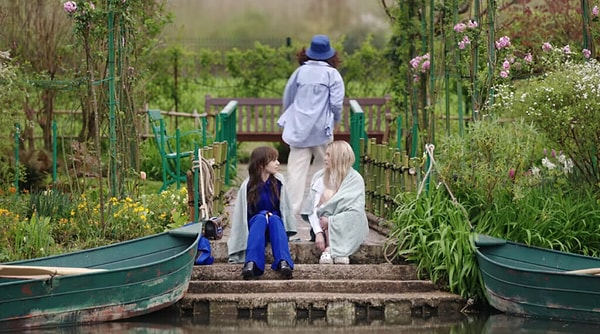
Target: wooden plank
<point x="26" y="271"/>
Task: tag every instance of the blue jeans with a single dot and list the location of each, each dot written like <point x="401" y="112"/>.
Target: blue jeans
<point x="263" y="229"/>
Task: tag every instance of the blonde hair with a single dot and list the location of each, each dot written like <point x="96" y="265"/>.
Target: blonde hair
<point x="341" y="159"/>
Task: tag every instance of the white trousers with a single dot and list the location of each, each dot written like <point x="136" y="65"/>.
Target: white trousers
<point x="298" y="168"/>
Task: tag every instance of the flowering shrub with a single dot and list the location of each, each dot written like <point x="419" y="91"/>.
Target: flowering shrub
<point x="25" y="233"/>
<point x="564" y="105"/>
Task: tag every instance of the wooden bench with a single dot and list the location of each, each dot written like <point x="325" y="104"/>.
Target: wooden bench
<point x="257" y="117"/>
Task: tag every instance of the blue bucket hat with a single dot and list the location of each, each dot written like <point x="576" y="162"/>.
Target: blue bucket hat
<point x="320" y="49"/>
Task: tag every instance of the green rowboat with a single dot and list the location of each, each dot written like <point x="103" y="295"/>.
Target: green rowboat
<point x="536" y="282"/>
<point x="113" y="282"/>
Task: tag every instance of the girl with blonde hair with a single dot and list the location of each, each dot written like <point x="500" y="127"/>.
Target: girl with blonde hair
<point x="335" y="206"/>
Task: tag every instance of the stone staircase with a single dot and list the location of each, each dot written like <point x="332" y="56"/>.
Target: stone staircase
<point x="366" y="290"/>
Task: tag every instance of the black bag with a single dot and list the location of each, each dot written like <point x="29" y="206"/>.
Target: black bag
<point x="213" y="229"/>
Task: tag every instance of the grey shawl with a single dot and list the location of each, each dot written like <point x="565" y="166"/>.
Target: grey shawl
<point x="348" y="225"/>
<point x="238" y="237"/>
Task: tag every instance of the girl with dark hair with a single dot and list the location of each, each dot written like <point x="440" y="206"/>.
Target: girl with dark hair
<point x="262" y="214"/>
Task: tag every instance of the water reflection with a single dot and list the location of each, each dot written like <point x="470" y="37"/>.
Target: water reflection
<point x="500" y="323"/>
<point x="171" y="321"/>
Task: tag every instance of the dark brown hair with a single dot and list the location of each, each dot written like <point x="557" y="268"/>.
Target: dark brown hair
<point x="259" y="159"/>
<point x="334" y="61"/>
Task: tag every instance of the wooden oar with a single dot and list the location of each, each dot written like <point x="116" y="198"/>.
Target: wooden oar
<point x="16" y="271"/>
<point x="589" y="271"/>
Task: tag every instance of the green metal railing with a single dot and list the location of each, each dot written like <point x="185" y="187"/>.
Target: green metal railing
<point x="226" y="132"/>
<point x="357" y="130"/>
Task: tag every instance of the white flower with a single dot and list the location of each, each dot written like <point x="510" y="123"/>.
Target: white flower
<point x="546" y="163"/>
<point x="568" y="166"/>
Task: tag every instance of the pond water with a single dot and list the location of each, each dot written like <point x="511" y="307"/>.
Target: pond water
<point x="171" y="321"/>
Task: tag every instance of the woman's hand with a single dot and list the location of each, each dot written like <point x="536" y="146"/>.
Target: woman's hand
<point x="324" y="221"/>
<point x="320" y="241"/>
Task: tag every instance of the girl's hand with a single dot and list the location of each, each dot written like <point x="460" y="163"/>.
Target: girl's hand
<point x="324" y="221"/>
<point x="320" y="241"/>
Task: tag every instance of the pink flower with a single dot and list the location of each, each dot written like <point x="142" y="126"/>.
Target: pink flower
<point x="503" y="42"/>
<point x="143" y="176"/>
<point x="462" y="45"/>
<point x="511" y="174"/>
<point x="472" y="24"/>
<point x="504" y="74"/>
<point x="587" y="53"/>
<point x="70" y="7"/>
<point x="420" y="61"/>
<point x="460" y="27"/>
<point x="567" y="50"/>
<point x="547" y="47"/>
<point x="528" y="58"/>
<point x="414" y="63"/>
<point x="506" y="65"/>
<point x="595" y="11"/>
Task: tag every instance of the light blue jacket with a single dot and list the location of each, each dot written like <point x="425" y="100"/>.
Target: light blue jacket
<point x="312" y="104"/>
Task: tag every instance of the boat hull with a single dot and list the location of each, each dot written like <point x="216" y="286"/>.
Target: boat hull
<point x="140" y="276"/>
<point x="534" y="282"/>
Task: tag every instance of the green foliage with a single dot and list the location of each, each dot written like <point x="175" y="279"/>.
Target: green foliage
<point x="72" y="223"/>
<point x="151" y="160"/>
<point x="366" y="68"/>
<point x="478" y="165"/>
<point x="50" y="203"/>
<point x="33" y="238"/>
<point x="565" y="221"/>
<point x="9" y="93"/>
<point x="564" y="105"/>
<point x="256" y="70"/>
<point x="176" y="77"/>
<point x="433" y="232"/>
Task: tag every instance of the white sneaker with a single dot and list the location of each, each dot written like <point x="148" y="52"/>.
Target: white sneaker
<point x="325" y="258"/>
<point x="341" y="260"/>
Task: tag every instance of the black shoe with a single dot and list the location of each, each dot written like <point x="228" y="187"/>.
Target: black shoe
<point x="284" y="269"/>
<point x="248" y="271"/>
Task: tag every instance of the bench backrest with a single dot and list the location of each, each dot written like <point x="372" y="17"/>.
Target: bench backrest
<point x="157" y="123"/>
<point x="257" y="117"/>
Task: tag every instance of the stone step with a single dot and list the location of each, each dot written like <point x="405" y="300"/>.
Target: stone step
<point x="311" y="285"/>
<point x="344" y="307"/>
<point x="381" y="271"/>
<point x="306" y="252"/>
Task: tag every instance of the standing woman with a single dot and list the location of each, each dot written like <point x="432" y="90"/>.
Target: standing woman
<point x="335" y="207"/>
<point x="262" y="214"/>
<point x="312" y="104"/>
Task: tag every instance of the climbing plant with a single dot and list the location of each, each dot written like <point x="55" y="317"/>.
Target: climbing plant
<point x="115" y="39"/>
